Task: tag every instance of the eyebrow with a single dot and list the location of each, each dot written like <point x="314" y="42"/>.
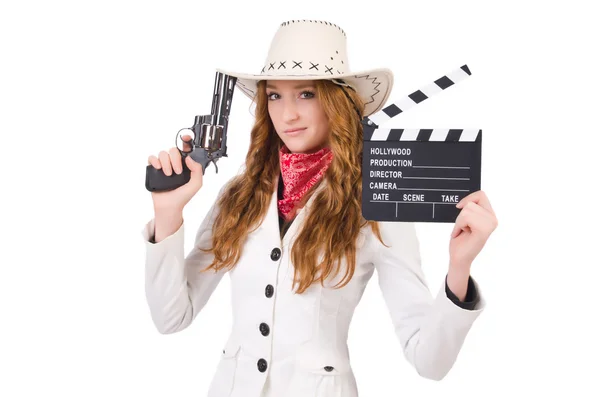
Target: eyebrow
<point x="297" y="87"/>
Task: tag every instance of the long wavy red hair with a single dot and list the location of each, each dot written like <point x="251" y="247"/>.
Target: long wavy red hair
<point x="335" y="218"/>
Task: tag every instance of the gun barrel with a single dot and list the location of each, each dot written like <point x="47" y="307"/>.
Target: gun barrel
<point x="223" y="92"/>
<point x="221" y="106"/>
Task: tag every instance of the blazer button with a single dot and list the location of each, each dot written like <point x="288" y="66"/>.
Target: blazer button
<point x="328" y="368"/>
<point x="264" y="329"/>
<point x="275" y="254"/>
<point x="262" y="365"/>
<point x="269" y="291"/>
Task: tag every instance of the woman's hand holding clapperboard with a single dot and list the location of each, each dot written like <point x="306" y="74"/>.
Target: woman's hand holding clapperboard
<point x="472" y="228"/>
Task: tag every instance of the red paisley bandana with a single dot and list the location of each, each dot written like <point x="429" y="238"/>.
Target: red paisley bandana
<point x="300" y="171"/>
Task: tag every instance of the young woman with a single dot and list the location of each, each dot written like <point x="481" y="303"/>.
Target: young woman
<point x="290" y="233"/>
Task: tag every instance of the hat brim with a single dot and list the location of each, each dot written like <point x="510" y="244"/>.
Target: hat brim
<point x="374" y="85"/>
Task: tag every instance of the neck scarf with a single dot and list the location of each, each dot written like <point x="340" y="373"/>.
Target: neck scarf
<point x="300" y="172"/>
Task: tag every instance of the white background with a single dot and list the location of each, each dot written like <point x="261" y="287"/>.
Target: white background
<point x="89" y="90"/>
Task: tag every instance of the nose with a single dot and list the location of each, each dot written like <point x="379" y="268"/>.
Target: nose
<point x="290" y="110"/>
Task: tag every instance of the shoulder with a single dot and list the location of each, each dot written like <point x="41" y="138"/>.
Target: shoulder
<point x="226" y="187"/>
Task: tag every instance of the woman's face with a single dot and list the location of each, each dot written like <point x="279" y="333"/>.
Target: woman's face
<point x="293" y="105"/>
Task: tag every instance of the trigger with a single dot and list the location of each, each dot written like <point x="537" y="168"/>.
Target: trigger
<point x="216" y="168"/>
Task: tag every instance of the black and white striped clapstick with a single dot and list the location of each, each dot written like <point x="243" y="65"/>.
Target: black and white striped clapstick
<point x="409" y="101"/>
<point x="423" y="134"/>
<point x="416" y="174"/>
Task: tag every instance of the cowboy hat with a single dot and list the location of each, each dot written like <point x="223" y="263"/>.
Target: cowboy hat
<point x="316" y="50"/>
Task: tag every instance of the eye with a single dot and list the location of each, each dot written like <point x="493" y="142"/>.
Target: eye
<point x="270" y="95"/>
<point x="310" y="94"/>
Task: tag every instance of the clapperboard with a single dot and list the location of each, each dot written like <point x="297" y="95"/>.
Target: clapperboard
<point x="418" y="175"/>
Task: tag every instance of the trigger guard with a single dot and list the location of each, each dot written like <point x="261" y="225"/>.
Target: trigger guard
<point x="193" y="140"/>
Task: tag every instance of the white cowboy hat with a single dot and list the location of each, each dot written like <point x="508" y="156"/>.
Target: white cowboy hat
<point x="314" y="50"/>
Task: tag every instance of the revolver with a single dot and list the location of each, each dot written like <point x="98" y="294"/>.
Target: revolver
<point x="209" y="142"/>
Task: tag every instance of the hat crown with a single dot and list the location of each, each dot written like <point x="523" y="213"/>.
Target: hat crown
<point x="307" y="47"/>
<point x="316" y="50"/>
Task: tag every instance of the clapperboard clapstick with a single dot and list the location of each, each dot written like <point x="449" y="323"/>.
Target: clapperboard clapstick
<point x="418" y="175"/>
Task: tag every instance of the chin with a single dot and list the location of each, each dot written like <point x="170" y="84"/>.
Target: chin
<point x="302" y="148"/>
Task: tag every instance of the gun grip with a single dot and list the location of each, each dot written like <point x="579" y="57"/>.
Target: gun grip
<point x="157" y="181"/>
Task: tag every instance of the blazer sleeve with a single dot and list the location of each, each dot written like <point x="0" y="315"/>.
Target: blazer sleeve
<point x="175" y="289"/>
<point x="430" y="330"/>
<point x="471" y="298"/>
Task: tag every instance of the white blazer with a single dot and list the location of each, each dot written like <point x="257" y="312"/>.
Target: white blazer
<point x="295" y="345"/>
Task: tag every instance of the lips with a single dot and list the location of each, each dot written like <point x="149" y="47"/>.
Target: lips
<point x="294" y="130"/>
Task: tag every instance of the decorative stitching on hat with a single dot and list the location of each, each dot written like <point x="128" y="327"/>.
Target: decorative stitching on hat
<point x="375" y="88"/>
<point x="286" y="23"/>
<point x="298" y="64"/>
